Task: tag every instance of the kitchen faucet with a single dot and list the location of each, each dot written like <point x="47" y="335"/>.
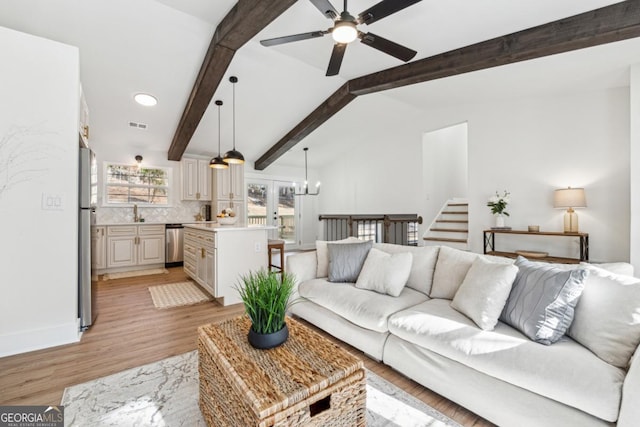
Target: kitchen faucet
<point x="136" y="218"/>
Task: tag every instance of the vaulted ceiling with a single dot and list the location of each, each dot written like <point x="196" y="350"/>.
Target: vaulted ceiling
<point x="158" y="46"/>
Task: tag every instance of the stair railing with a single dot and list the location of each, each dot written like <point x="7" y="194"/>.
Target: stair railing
<point x="401" y="229"/>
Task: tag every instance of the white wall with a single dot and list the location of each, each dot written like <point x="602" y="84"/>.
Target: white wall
<point x="39" y="83"/>
<point x="634" y="118"/>
<point x="529" y="147"/>
<point x="444" y="169"/>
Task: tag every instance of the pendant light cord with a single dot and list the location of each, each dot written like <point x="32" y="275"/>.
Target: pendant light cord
<point x="219" y="130"/>
<point x="234" y="116"/>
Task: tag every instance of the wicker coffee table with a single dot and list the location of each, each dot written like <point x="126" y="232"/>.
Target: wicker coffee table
<point x="306" y="381"/>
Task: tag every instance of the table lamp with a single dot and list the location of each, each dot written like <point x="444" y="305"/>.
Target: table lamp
<point x="570" y="198"/>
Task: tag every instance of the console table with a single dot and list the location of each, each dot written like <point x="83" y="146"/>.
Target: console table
<point x="490" y="244"/>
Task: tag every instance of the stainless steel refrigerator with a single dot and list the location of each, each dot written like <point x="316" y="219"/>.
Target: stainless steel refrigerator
<point x="87" y="277"/>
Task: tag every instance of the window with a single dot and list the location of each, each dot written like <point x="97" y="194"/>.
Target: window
<point x="126" y="184"/>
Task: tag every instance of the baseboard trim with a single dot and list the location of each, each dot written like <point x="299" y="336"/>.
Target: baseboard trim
<point x="37" y="339"/>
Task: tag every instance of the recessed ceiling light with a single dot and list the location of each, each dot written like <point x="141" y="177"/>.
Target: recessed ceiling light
<point x="145" y="99"/>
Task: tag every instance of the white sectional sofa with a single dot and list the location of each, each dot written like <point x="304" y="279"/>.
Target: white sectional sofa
<point x="498" y="373"/>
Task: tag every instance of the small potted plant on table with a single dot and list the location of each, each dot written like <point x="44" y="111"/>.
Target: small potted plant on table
<point x="265" y="296"/>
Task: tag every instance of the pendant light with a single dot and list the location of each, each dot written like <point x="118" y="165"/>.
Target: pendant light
<point x="306" y="179"/>
<point x="234" y="156"/>
<point x="217" y="162"/>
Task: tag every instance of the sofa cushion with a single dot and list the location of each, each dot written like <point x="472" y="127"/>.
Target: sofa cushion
<point x="566" y="372"/>
<point x="422" y="266"/>
<point x="542" y="300"/>
<point x="322" y="254"/>
<point x="623" y="268"/>
<point x="607" y="317"/>
<point x="385" y="273"/>
<point x="452" y="267"/>
<point x="484" y="291"/>
<point x="361" y="307"/>
<point x="346" y="260"/>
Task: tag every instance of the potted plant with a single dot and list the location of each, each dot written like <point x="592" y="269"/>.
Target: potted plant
<point x="266" y="298"/>
<point x="498" y="205"/>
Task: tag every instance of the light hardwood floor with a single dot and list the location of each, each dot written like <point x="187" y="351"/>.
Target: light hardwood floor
<point x="130" y="332"/>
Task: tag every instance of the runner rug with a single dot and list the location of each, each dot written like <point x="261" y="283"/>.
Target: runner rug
<point x="165" y="394"/>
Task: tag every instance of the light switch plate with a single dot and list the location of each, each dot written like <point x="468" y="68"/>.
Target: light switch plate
<point x="52" y="202"/>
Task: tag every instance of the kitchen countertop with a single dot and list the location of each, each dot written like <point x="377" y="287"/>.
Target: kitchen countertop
<point x="233" y="227"/>
<point x="108" y="224"/>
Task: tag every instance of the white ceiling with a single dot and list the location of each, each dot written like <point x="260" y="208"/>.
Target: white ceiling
<point x="157" y="46"/>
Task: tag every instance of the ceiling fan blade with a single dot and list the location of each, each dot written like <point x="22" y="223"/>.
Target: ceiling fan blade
<point x="336" y="59"/>
<point x="383" y="9"/>
<point x="387" y="46"/>
<point x="326" y="8"/>
<point x="293" y="38"/>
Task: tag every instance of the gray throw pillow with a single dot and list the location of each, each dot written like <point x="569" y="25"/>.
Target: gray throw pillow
<point x="542" y="300"/>
<point x="346" y="259"/>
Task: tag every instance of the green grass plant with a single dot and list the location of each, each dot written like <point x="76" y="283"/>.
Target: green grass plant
<point x="266" y="298"/>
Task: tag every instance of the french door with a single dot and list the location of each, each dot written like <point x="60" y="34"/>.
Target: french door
<point x="271" y="202"/>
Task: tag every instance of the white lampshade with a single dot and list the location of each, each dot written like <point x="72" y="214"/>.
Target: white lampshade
<point x="569" y="198"/>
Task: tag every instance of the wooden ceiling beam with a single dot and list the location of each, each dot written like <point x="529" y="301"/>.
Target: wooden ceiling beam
<point x="613" y="23"/>
<point x="336" y="102"/>
<point x="246" y="19"/>
<point x="609" y="24"/>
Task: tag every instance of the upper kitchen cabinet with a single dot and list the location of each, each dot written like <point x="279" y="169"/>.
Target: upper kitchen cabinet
<point x="196" y="179"/>
<point x="229" y="183"/>
<point x="83" y="119"/>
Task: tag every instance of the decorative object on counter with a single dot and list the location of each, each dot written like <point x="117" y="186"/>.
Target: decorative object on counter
<point x="227" y="217"/>
<point x="234" y="156"/>
<point x="266" y="298"/>
<point x="570" y="198"/>
<point x="305" y="188"/>
<point x="138" y="161"/>
<point x="498" y="205"/>
<point x="177" y="295"/>
<point x="218" y="162"/>
<point x="532" y="254"/>
<point x="534" y="228"/>
<point x="135" y="273"/>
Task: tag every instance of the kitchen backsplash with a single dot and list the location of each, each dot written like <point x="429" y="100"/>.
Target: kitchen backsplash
<point x="182" y="211"/>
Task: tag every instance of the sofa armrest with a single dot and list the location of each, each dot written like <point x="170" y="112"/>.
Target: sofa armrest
<point x="629" y="408"/>
<point x="302" y="265"/>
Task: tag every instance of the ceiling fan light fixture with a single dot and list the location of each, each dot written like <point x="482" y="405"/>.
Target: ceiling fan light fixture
<point x="344" y="32"/>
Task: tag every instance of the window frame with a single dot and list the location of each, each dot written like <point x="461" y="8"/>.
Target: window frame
<point x="105" y="185"/>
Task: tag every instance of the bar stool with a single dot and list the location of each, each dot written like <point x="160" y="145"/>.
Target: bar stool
<point x="278" y="245"/>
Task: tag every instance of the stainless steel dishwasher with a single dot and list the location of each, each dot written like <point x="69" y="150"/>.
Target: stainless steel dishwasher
<point x="174" y="237"/>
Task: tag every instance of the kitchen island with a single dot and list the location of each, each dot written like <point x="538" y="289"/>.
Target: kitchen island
<point x="216" y="256"/>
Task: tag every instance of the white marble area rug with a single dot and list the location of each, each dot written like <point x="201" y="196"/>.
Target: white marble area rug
<point x="177" y="294"/>
<point x="135" y="273"/>
<point x="165" y="394"/>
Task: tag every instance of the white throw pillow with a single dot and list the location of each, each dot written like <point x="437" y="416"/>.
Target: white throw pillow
<point x="385" y="273"/>
<point x="452" y="267"/>
<point x="607" y="317"/>
<point x="322" y="252"/>
<point x="484" y="291"/>
<point x="422" y="266"/>
<point x="623" y="268"/>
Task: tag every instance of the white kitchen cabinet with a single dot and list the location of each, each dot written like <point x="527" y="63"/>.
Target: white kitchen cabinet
<point x="99" y="247"/>
<point x="134" y="245"/>
<point x="216" y="257"/>
<point x="199" y="258"/>
<point x="83" y="119"/>
<point x="229" y="183"/>
<point x="196" y="179"/>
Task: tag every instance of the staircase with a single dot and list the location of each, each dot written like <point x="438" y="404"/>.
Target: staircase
<point x="451" y="226"/>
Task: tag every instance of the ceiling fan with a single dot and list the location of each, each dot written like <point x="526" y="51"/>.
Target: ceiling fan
<point x="345" y="30"/>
